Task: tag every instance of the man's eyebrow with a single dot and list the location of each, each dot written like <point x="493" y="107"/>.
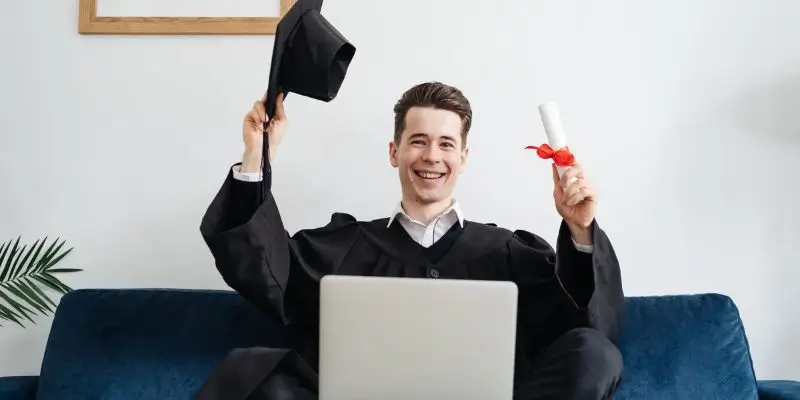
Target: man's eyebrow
<point x="426" y="136"/>
<point x="448" y="137"/>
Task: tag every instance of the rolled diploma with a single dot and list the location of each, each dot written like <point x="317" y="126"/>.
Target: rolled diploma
<point x="554" y="130"/>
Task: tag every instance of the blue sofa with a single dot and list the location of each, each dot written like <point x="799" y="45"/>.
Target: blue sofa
<point x="161" y="344"/>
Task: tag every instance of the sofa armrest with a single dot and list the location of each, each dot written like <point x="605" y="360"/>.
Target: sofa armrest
<point x="778" y="390"/>
<point x="18" y="387"/>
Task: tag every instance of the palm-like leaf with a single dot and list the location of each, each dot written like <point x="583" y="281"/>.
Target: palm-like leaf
<point x="26" y="272"/>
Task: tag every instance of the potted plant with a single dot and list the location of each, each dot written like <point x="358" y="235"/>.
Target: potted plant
<point x="27" y="272"/>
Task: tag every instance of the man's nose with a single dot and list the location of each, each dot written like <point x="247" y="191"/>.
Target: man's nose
<point x="432" y="154"/>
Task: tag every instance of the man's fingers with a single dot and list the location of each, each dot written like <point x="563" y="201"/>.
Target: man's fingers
<point x="571" y="189"/>
<point x="259" y="112"/>
<point x="556" y="178"/>
<point x="572" y="172"/>
<point x="589" y="193"/>
<point x="574" y="187"/>
<point x="575" y="198"/>
<point x="558" y="190"/>
<point x="254" y="116"/>
<point x="578" y="194"/>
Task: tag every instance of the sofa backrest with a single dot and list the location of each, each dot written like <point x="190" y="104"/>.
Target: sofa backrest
<point x="162" y="344"/>
<point x="145" y="343"/>
<point x="685" y="347"/>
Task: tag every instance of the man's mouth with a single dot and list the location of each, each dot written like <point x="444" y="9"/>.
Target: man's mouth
<point x="429" y="174"/>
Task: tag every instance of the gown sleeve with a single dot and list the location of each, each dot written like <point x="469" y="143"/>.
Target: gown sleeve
<point x="257" y="257"/>
<point x="590" y="282"/>
<point x="593" y="281"/>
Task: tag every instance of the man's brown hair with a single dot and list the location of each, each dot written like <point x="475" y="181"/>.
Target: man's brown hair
<point x="435" y="95"/>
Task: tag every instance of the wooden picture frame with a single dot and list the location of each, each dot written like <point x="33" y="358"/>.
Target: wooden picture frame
<point x="90" y="23"/>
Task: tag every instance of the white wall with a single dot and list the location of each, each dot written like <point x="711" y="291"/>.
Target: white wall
<point x="683" y="112"/>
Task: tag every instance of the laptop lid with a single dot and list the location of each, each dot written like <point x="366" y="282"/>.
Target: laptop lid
<point x="412" y="338"/>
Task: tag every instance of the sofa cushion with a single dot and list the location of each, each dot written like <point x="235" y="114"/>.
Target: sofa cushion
<point x="18" y="387"/>
<point x="145" y="344"/>
<point x="685" y="347"/>
<point x="778" y="389"/>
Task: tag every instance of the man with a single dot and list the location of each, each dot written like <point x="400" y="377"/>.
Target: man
<point x="570" y="299"/>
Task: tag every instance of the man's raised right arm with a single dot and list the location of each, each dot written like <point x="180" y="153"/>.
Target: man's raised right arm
<point x="246" y="237"/>
<point x="252" y="250"/>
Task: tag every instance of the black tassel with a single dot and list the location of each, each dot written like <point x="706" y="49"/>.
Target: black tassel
<point x="266" y="169"/>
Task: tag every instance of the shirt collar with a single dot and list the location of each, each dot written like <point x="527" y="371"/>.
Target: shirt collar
<point x="454" y="208"/>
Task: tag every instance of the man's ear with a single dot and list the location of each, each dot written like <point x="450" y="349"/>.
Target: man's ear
<point x="393" y="154"/>
<point x="464" y="157"/>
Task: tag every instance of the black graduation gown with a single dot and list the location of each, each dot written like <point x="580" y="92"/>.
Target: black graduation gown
<point x="559" y="289"/>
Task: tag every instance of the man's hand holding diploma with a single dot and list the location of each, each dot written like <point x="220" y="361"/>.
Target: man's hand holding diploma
<point x="574" y="195"/>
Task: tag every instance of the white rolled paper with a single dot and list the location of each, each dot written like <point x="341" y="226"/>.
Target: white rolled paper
<point x="554" y="129"/>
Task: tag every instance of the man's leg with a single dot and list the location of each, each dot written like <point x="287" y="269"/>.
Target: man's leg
<point x="582" y="364"/>
<point x="260" y="373"/>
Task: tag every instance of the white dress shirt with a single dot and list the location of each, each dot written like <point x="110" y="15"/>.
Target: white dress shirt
<point x="428" y="234"/>
<point x="424" y="234"/>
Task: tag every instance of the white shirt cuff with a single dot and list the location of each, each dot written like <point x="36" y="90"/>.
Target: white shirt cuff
<point x="585" y="248"/>
<point x="245" y="176"/>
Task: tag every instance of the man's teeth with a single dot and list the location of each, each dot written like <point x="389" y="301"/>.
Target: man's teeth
<point x="429" y="175"/>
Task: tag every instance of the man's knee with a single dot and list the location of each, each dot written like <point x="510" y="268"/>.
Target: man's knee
<point x="595" y="348"/>
<point x="581" y="364"/>
<point x="597" y="360"/>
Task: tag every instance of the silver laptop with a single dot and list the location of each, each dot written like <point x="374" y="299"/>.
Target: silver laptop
<point x="413" y="338"/>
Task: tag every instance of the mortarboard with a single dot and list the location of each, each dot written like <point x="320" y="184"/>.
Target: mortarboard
<point x="310" y="57"/>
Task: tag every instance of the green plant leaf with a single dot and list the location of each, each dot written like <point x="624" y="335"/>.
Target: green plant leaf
<point x="32" y="262"/>
<point x="29" y="283"/>
<point x="27" y="273"/>
<point x="47" y="283"/>
<point x="20" y="295"/>
<point x="33" y="295"/>
<point x="64" y="289"/>
<point x="21" y="311"/>
<point x="57" y="270"/>
<point x="6" y="269"/>
<point x="48" y="258"/>
<point x="18" y="254"/>
<point x="9" y="315"/>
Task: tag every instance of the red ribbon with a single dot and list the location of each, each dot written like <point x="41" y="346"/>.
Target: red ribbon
<point x="561" y="157"/>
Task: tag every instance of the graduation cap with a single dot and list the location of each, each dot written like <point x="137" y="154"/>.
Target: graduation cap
<point x="310" y="57"/>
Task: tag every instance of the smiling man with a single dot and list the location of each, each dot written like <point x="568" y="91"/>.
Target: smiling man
<point x="570" y="297"/>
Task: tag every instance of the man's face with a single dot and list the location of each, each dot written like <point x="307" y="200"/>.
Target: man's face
<point x="429" y="156"/>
